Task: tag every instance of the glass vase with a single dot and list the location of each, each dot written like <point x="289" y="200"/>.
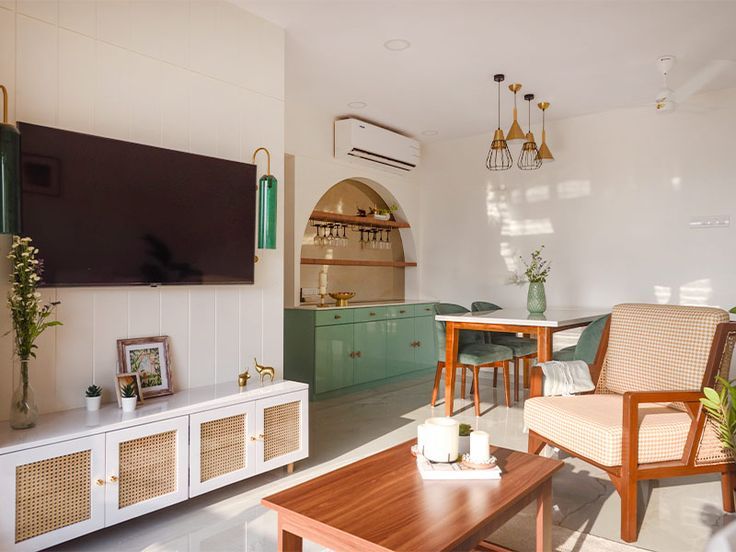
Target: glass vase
<point x="536" y="300"/>
<point x="23" y="408"/>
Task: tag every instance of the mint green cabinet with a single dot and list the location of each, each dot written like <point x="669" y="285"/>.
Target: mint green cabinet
<point x="425" y="351"/>
<point x="333" y="357"/>
<point x="342" y="348"/>
<point x="399" y="346"/>
<point x="369" y="340"/>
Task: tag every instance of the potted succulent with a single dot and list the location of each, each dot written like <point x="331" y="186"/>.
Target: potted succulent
<point x="128" y="397"/>
<point x="384" y="214"/>
<point x="464" y="443"/>
<point x="93" y="397"/>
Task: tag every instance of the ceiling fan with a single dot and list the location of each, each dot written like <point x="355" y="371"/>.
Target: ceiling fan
<point x="668" y="99"/>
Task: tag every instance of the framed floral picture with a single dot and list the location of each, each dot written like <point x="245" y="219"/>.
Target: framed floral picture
<point x="149" y="358"/>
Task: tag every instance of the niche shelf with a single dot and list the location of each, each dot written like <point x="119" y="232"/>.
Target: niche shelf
<point x="355" y="262"/>
<point x="326" y="216"/>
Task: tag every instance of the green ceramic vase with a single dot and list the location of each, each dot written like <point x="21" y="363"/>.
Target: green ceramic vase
<point x="536" y="300"/>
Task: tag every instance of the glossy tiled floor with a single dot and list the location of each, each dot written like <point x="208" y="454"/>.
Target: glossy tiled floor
<point x="680" y="516"/>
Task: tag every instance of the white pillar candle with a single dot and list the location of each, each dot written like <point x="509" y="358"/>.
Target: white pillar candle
<point x="441" y="439"/>
<point x="479" y="447"/>
<point x="421" y="438"/>
<point x="323" y="282"/>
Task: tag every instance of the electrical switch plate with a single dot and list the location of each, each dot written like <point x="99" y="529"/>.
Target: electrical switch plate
<point x="712" y="221"/>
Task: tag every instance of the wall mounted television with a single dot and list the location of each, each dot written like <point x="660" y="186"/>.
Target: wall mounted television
<point x="106" y="212"/>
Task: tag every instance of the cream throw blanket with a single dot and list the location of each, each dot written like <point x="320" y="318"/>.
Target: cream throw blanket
<point x="566" y="377"/>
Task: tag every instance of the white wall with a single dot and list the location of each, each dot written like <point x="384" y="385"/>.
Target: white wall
<point x="309" y="139"/>
<point x="612" y="211"/>
<point x="200" y="76"/>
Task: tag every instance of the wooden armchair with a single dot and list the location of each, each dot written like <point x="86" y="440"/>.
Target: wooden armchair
<point x="644" y="420"/>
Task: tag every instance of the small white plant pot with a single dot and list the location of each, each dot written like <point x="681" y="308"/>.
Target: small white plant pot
<point x="378" y="216"/>
<point x="128" y="403"/>
<point x="93" y="403"/>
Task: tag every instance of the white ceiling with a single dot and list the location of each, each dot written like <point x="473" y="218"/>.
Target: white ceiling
<point x="583" y="57"/>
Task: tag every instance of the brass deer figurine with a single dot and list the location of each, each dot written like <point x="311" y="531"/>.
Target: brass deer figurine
<point x="243" y="378"/>
<point x="264" y="370"/>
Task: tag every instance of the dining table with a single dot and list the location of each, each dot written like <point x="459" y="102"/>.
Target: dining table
<point x="514" y="320"/>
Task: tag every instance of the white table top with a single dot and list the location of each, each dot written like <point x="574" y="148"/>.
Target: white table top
<point x="554" y="317"/>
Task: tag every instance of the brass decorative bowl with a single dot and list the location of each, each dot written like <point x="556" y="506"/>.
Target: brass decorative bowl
<point x="342" y="297"/>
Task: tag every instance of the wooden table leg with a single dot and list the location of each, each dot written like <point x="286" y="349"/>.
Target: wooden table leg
<point x="288" y="542"/>
<point x="544" y="518"/>
<point x="452" y="336"/>
<point x="544" y="344"/>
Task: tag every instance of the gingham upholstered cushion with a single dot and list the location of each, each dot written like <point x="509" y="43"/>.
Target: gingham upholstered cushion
<point x="591" y="426"/>
<point x="658" y="347"/>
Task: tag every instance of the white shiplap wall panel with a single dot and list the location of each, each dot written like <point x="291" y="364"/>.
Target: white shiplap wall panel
<point x="111" y="324"/>
<point x="75" y="342"/>
<point x="226" y="337"/>
<point x="175" y="324"/>
<point x="204" y="77"/>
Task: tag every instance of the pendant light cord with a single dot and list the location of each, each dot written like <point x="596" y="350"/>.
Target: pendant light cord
<point x="5" y="103"/>
<point x="499" y="103"/>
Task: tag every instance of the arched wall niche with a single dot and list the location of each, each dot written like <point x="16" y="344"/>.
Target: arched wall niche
<point x="369" y="283"/>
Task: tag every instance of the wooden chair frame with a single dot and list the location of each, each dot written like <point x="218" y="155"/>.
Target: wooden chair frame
<point x="626" y="476"/>
<point x="503" y="364"/>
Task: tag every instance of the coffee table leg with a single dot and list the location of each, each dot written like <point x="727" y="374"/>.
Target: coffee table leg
<point x="544" y="518"/>
<point x="288" y="542"/>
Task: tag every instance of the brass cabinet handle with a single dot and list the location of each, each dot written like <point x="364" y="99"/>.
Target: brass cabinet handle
<point x="100" y="482"/>
<point x="257" y="438"/>
<point x="413" y="344"/>
<point x="402" y="311"/>
<point x="427" y="309"/>
<point x="113" y="479"/>
<point x="419" y="343"/>
<point x="357" y="354"/>
<point x="352" y="354"/>
<point x="371" y="314"/>
<point x="338" y="317"/>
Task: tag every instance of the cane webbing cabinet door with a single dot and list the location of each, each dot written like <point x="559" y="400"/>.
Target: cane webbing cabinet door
<point x="147" y="468"/>
<point x="52" y="493"/>
<point x="220" y="448"/>
<point x="282" y="430"/>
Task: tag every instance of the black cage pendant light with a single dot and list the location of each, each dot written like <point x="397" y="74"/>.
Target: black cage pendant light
<point x="499" y="157"/>
<point x="9" y="172"/>
<point x="529" y="157"/>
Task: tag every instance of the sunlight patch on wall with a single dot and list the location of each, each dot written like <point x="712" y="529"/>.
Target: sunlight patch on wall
<point x="663" y="294"/>
<point x="571" y="189"/>
<point x="696" y="292"/>
<point x="497" y="207"/>
<point x="527" y="227"/>
<point x="537" y="193"/>
<point x="676" y="182"/>
<point x="509" y="258"/>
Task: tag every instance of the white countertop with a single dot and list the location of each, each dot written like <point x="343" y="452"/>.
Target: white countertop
<point x="72" y="424"/>
<point x="554" y="317"/>
<point x="360" y="304"/>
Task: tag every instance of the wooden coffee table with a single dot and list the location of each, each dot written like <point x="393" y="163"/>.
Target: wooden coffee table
<point x="382" y="503"/>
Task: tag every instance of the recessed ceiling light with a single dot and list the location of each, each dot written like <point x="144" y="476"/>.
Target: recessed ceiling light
<point x="396" y="44"/>
<point x="430" y="132"/>
<point x="357" y="105"/>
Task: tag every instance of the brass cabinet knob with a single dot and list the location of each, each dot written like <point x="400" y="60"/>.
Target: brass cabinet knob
<point x="371" y="314"/>
<point x="113" y="479"/>
<point x="100" y="482"/>
<point x="257" y="438"/>
<point x="357" y="354"/>
<point x="352" y="354"/>
<point x="419" y="343"/>
<point x="402" y="311"/>
<point x="338" y="317"/>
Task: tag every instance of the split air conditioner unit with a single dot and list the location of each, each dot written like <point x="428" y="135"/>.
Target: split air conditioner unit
<point x="355" y="139"/>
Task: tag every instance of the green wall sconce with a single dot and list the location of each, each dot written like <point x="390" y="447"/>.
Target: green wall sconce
<point x="9" y="172"/>
<point x="267" y="205"/>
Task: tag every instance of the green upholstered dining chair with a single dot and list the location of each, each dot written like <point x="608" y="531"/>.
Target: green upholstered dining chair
<point x="587" y="345"/>
<point x="473" y="354"/>
<point x="524" y="348"/>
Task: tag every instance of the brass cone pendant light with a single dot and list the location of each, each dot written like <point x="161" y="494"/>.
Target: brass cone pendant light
<point x="529" y="157"/>
<point x="544" y="153"/>
<point x="515" y="134"/>
<point x="499" y="157"/>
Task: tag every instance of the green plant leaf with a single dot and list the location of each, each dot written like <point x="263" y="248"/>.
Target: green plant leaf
<point x="712" y="394"/>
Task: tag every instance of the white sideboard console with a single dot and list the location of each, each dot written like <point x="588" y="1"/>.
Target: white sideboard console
<point x="79" y="471"/>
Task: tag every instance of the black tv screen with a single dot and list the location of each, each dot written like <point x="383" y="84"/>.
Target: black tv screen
<point x="108" y="212"/>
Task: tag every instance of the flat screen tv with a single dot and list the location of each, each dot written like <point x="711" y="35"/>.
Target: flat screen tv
<point x="108" y="212"/>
